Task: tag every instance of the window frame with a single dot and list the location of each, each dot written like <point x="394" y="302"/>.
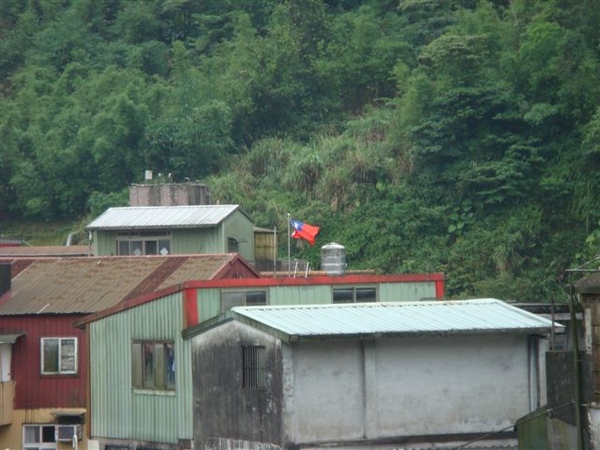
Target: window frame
<point x="353" y="291"/>
<point x="150" y="362"/>
<point x="233" y="245"/>
<point x="240" y="297"/>
<point x="143" y="240"/>
<point x="254" y="367"/>
<point x="60" y="370"/>
<point x="39" y="443"/>
<point x="56" y="438"/>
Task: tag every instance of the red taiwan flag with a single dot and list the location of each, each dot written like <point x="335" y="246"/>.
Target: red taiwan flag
<point x="304" y="231"/>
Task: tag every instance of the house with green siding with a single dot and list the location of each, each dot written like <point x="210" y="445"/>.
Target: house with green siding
<point x="44" y="374"/>
<point x="165" y="230"/>
<point x="140" y="384"/>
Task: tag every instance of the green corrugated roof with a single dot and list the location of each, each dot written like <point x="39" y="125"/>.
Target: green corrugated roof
<point x="393" y="319"/>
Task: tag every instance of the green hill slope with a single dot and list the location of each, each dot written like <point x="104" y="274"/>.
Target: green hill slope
<point x="460" y="136"/>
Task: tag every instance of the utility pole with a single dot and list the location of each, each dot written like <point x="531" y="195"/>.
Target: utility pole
<point x="576" y="371"/>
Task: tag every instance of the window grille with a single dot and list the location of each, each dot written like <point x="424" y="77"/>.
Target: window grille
<point x="253" y="364"/>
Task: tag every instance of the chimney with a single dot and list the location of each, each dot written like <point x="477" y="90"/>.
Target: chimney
<point x="5" y="269"/>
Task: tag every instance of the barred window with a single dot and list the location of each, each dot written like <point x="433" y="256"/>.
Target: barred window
<point x="253" y="367"/>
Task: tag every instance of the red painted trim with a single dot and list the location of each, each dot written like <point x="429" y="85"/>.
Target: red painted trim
<point x="310" y="281"/>
<point x="438" y="278"/>
<point x="439" y="289"/>
<point x="190" y="307"/>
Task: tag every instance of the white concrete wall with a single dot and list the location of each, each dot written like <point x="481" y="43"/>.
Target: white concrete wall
<point x="405" y="387"/>
<point x="594" y="427"/>
<point x="323" y="392"/>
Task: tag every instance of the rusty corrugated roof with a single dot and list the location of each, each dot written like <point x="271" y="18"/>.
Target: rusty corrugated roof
<point x="44" y="250"/>
<point x="91" y="284"/>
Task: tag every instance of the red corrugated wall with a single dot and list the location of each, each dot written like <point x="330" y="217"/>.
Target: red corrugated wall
<point x="34" y="390"/>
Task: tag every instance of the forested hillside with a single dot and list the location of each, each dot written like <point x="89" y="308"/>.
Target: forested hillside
<point x="460" y="136"/>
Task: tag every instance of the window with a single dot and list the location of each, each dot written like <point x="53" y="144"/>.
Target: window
<point x="253" y="367"/>
<point x="229" y="299"/>
<point x="37" y="437"/>
<point x="232" y="245"/>
<point x="144" y="243"/>
<point x="59" y="356"/>
<point x="351" y="294"/>
<point x="153" y="365"/>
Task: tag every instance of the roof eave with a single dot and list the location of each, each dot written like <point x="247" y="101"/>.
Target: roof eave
<point x="407" y="334"/>
<point x="153" y="227"/>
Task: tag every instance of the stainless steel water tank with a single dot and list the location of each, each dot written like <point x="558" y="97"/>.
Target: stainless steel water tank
<point x="333" y="259"/>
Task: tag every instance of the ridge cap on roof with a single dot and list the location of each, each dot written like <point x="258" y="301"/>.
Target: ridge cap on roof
<point x="174" y="206"/>
<point x="481" y="301"/>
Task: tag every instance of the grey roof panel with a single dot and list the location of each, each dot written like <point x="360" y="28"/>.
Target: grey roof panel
<point x="187" y="216"/>
<point x="401" y="318"/>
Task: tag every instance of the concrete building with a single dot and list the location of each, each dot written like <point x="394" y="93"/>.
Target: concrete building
<point x="126" y="410"/>
<point x="363" y="374"/>
<point x="163" y="193"/>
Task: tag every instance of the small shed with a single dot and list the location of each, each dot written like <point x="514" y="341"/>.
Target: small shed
<point x="358" y="374"/>
<point x="164" y="230"/>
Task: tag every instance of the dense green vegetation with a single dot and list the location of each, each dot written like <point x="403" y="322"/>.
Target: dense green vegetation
<point x="425" y="135"/>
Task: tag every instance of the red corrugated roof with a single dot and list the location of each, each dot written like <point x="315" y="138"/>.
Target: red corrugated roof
<point x="91" y="284"/>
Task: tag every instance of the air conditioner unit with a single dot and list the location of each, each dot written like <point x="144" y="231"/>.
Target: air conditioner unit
<point x="65" y="433"/>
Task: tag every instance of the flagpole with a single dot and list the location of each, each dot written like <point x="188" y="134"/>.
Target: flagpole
<point x="289" y="245"/>
<point x="275" y="252"/>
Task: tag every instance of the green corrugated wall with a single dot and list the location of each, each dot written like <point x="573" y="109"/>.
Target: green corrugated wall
<point x="194" y="240"/>
<point x="209" y="300"/>
<point x="407" y="292"/>
<point x="117" y="410"/>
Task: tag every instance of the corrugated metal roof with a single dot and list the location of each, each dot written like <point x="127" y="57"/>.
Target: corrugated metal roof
<point x="87" y="285"/>
<point x="401" y="318"/>
<point x="133" y="217"/>
<point x="44" y="250"/>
